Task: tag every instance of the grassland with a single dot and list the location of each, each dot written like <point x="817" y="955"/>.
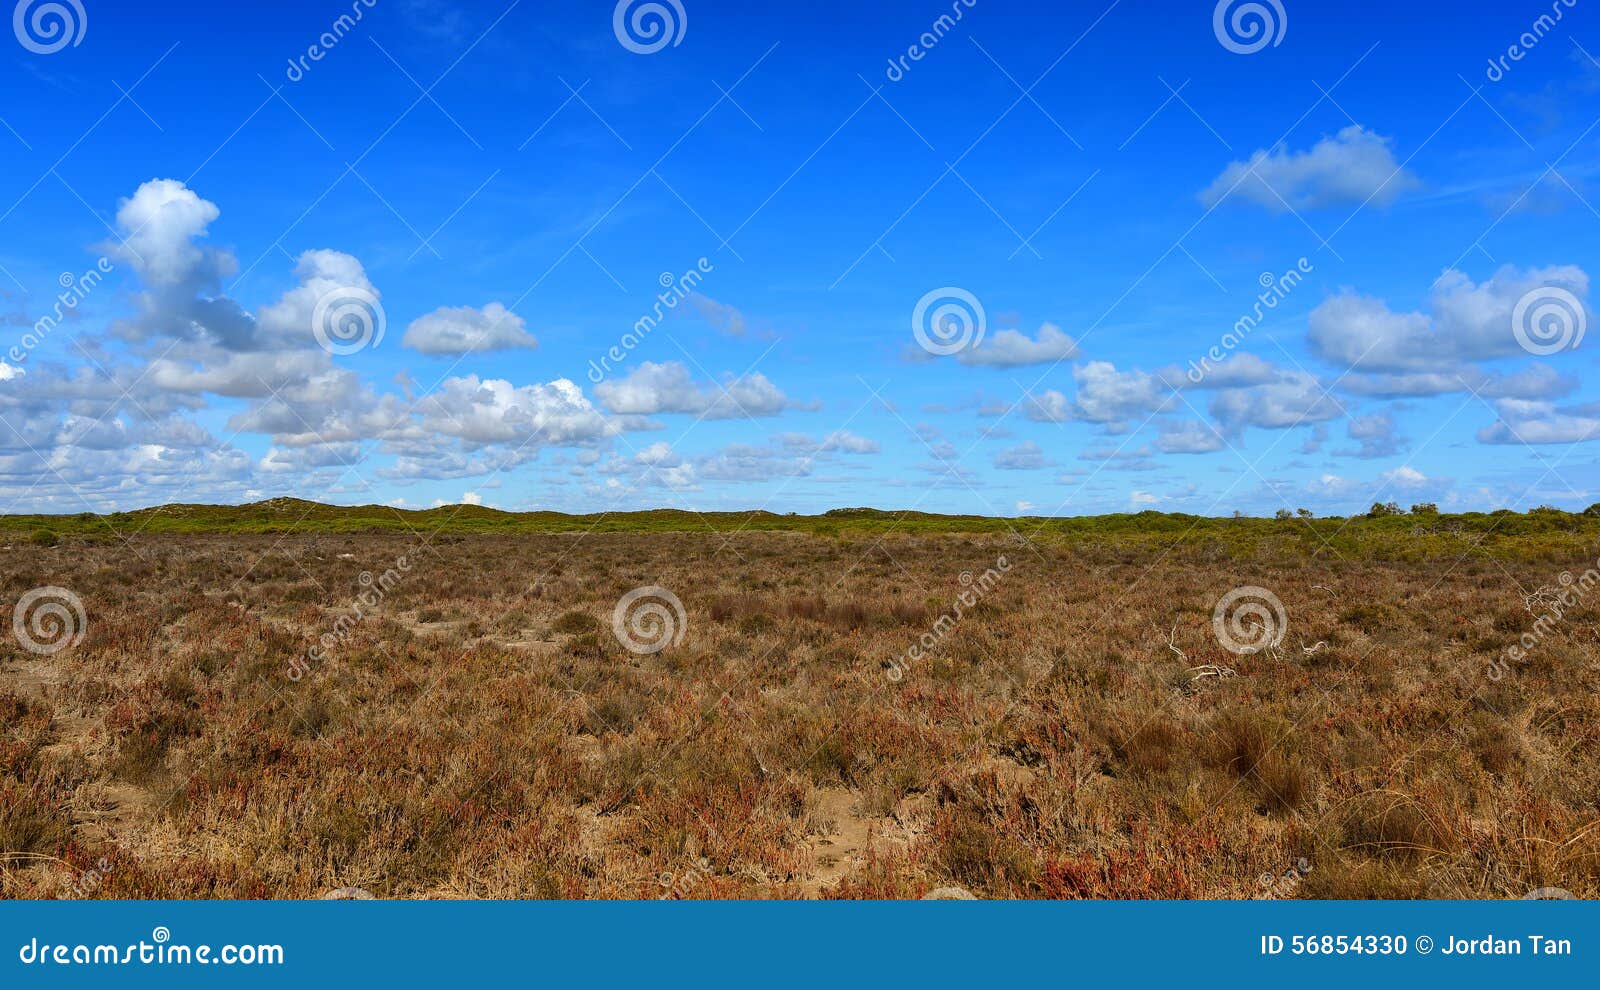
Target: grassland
<point x="287" y="699"/>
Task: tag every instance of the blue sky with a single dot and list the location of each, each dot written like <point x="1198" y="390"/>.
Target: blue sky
<point x="506" y="189"/>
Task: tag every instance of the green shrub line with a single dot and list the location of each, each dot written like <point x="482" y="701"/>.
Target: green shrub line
<point x="1386" y="532"/>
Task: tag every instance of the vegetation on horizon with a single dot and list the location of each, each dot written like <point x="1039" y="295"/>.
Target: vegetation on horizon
<point x="1387" y="531"/>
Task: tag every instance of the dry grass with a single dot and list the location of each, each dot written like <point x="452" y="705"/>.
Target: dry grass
<point x="483" y="733"/>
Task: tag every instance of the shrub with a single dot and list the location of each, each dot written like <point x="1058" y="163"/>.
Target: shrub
<point x="575" y="622"/>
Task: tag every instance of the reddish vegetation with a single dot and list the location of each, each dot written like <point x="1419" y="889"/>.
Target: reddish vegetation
<point x="482" y="733"/>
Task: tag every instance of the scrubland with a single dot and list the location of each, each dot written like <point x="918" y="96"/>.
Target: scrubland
<point x="417" y="712"/>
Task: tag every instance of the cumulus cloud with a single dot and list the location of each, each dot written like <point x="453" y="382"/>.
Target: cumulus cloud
<point x="457" y="330"/>
<point x="1295" y="399"/>
<point x="1524" y="421"/>
<point x="160" y="223"/>
<point x="128" y="427"/>
<point x="303" y="460"/>
<point x="1467" y="322"/>
<point x="1376" y="433"/>
<point x="1407" y="478"/>
<point x="1047" y="407"/>
<point x="1353" y="166"/>
<point x="1015" y="349"/>
<point x="1190" y="437"/>
<point x="484" y="411"/>
<point x="1114" y="398"/>
<point x="1239" y="370"/>
<point x="653" y="389"/>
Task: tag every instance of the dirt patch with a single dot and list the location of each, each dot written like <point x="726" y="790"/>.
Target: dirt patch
<point x="112" y="805"/>
<point x="846" y="836"/>
<point x="31" y="679"/>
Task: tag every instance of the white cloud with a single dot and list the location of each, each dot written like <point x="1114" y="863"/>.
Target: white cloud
<point x="160" y="222"/>
<point x="1524" y="421"/>
<point x="304" y="460"/>
<point x="841" y="441"/>
<point x="653" y="389"/>
<point x="457" y="330"/>
<point x="496" y="411"/>
<point x="720" y="315"/>
<point x="1295" y="400"/>
<point x="1354" y="166"/>
<point x="467" y="498"/>
<point x="1025" y="456"/>
<point x="1239" y="370"/>
<point x="1190" y="437"/>
<point x="1047" y="407"/>
<point x="1377" y="435"/>
<point x="1014" y="349"/>
<point x="744" y="462"/>
<point x="1468" y="322"/>
<point x="1407" y="478"/>
<point x="8" y="372"/>
<point x="1113" y="398"/>
<point x="1355" y="495"/>
<point x="658" y="455"/>
<point x="850" y="443"/>
<point x="289" y="322"/>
